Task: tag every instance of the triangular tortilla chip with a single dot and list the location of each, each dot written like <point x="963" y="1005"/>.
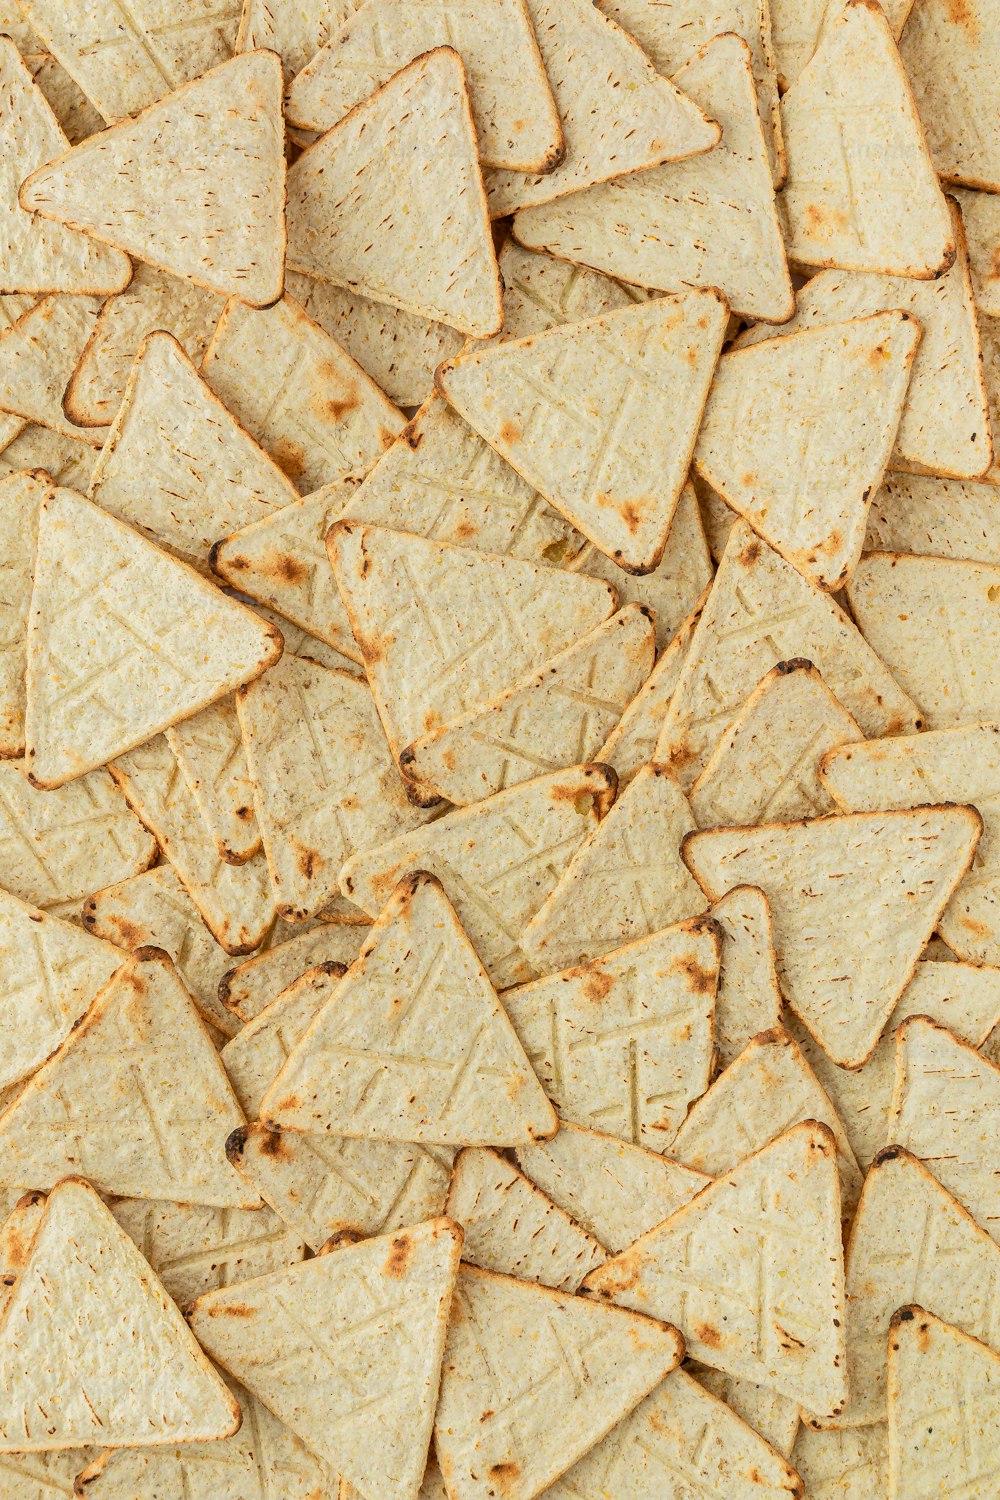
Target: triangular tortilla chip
<point x="264" y="1448"/>
<point x="21" y="495"/>
<point x="327" y="1186"/>
<point x="533" y="1378"/>
<point x="413" y="1044"/>
<point x="950" y="765"/>
<point x="673" y="587"/>
<point x="773" y="1313"/>
<point x="56" y="1467"/>
<point x="497" y="860"/>
<point x="952" y="61"/>
<point x="299" y="394"/>
<point x="177" y="465"/>
<point x="540" y="292"/>
<point x="768" y="1089"/>
<point x="296" y="30"/>
<point x="765" y="767"/>
<point x="11" y="427"/>
<point x="324" y="782"/>
<point x="762" y="611"/>
<point x="749" y="997"/>
<point x="515" y="116"/>
<point x="136" y="1098"/>
<point x="798" y="26"/>
<point x="989" y="338"/>
<point x="861" y="192"/>
<point x="585" y="411"/>
<point x="671" y="34"/>
<point x="626" y="881"/>
<point x="412" y="143"/>
<point x="464" y="627"/>
<point x="827" y="879"/>
<point x="254" y="1057"/>
<point x="939" y="517"/>
<point x="209" y="750"/>
<point x="71" y="1374"/>
<point x="944" y="428"/>
<point x="772" y="1416"/>
<point x="194" y="1249"/>
<point x="153" y="300"/>
<point x="14" y="25"/>
<point x="399" y="350"/>
<point x="558" y="717"/>
<point x="154" y="910"/>
<point x="963" y="997"/>
<point x="124" y="61"/>
<point x="123" y="641"/>
<point x="945" y="1108"/>
<point x="66" y="460"/>
<point x="618" y="114"/>
<point x="708" y="222"/>
<point x="631" y="743"/>
<point x="613" y="1189"/>
<point x="250" y="986"/>
<point x="70" y="105"/>
<point x="37" y="256"/>
<point x="359" y="1331"/>
<point x="50" y="972"/>
<point x="851" y="1460"/>
<point x="684" y="1441"/>
<point x="910" y="1241"/>
<point x="981" y="218"/>
<point x="512" y="1227"/>
<point x="624" y="1044"/>
<point x="936" y="624"/>
<point x="813" y="412"/>
<point x="17" y="1235"/>
<point x="441" y="480"/>
<point x="38" y="354"/>
<point x="236" y="902"/>
<point x="58" y="846"/>
<point x="150" y="185"/>
<point x="944" y="1409"/>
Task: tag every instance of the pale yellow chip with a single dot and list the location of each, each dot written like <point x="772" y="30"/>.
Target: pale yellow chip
<point x="209" y="750"/>
<point x="60" y="846"/>
<point x="21" y="494"/>
<point x="38" y="354"/>
<point x="558" y="717"/>
<point x="938" y="517"/>
<point x="411" y="143"/>
<point x="323" y="781"/>
<point x="773" y="1417"/>
<point x="517" y="125"/>
<point x="910" y="1240"/>
<point x="452" y="1074"/>
<point x="618" y="113"/>
<point x="497" y="860"/>
<point x="951" y="765"/>
<point x="762" y="611"/>
<point x="71" y="1373"/>
<point x="236" y="902"/>
<point x="765" y="768"/>
<point x="708" y="222"/>
<point x="861" y="193"/>
<point x="626" y="881"/>
<point x="153" y="300"/>
<point x="577" y="1367"/>
<point x="123" y="641"/>
<point x="296" y="29"/>
<point x="585" y="412"/>
<point x="952" y="60"/>
<point x="936" y="624"/>
<point x="442" y="629"/>
<point x="749" y="996"/>
<point x="66" y="459"/>
<point x="255" y="1056"/>
<point x="769" y="1088"/>
<point x="752" y="1271"/>
<point x="40" y="257"/>
<point x="945" y="1107"/>
<point x="177" y="465"/>
<point x="671" y="34"/>
<point x="154" y="910"/>
<point x="312" y="1343"/>
<point x="798" y="26"/>
<point x="540" y="292"/>
<point x="850" y="1463"/>
<point x="944" y="428"/>
<point x="853" y="900"/>
<point x="798" y="431"/>
<point x="149" y="185"/>
<point x="623" y="1044"/>
<point x="981" y="216"/>
<point x="70" y="105"/>
<point x="299" y="393"/>
<point x="252" y="985"/>
<point x="512" y="1227"/>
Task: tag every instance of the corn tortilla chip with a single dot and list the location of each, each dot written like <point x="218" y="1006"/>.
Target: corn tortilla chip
<point x="749" y="997"/>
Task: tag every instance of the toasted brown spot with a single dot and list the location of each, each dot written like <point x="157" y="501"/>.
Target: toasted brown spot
<point x="750" y="554"/>
<point x="505" y="1475"/>
<point x="923" y="1337"/>
<point x="286" y="567"/>
<point x="702" y="981"/>
<point x="960" y="13"/>
<point x="273" y="1144"/>
<point x="235" y="1310"/>
<point x="596" y="984"/>
<point x="709" y="1335"/>
<point x="411" y="437"/>
<point x="398" y="1259"/>
<point x="631" y="515"/>
<point x="127" y="933"/>
<point x="308" y="861"/>
<point x="290" y="458"/>
<point x="464" y="531"/>
<point x="510" y="432"/>
<point x="879" y="354"/>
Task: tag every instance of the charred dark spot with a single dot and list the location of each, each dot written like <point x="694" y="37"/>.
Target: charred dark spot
<point x="235" y="1142"/>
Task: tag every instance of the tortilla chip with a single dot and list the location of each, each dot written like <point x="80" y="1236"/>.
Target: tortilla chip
<point x="194" y="1249"/>
<point x="38" y="354"/>
<point x="852" y="1464"/>
<point x="250" y="986"/>
<point x="66" y="460"/>
<point x="540" y="292"/>
<point x="209" y="750"/>
<point x="76" y="115"/>
<point x="749" y="997"/>
<point x="938" y="517"/>
<point x="296" y="29"/>
<point x="20" y="498"/>
<point x="952" y="60"/>
<point x="981" y="216"/>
